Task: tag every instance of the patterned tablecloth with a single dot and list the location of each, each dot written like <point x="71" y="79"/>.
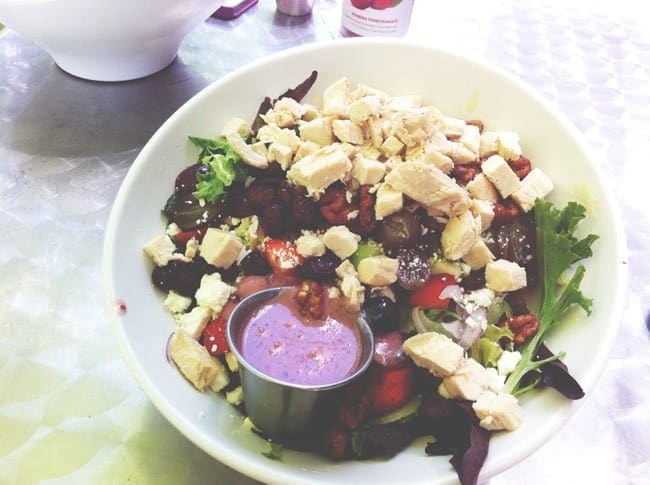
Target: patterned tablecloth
<point x="70" y="412"/>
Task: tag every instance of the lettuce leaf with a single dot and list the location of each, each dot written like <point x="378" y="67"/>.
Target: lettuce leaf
<point x="558" y="249"/>
<point x="226" y="167"/>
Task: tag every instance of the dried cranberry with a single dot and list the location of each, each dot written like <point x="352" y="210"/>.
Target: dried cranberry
<point x="466" y="172"/>
<point x="260" y="194"/>
<point x="274" y="219"/>
<point x="304" y="209"/>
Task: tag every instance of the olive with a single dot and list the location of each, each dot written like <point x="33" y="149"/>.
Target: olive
<point x="186" y="180"/>
<point x="320" y="268"/>
<point x="381" y="314"/>
<point x="400" y="229"/>
<point x="473" y="281"/>
<point x="182" y="277"/>
<point x="186" y="211"/>
<point x="254" y="263"/>
<point x="413" y="269"/>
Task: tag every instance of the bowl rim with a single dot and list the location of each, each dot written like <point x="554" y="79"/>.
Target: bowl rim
<point x="263" y="471"/>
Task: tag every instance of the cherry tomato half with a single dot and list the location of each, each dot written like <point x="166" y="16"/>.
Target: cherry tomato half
<point x="429" y="295"/>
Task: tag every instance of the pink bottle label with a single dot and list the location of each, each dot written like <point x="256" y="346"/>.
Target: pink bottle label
<point x="386" y="18"/>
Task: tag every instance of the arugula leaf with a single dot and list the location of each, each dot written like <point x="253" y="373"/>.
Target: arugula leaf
<point x="226" y="167"/>
<point x="557" y="251"/>
<point x="275" y="451"/>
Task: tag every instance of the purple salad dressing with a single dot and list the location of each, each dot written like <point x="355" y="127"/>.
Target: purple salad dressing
<point x="284" y="344"/>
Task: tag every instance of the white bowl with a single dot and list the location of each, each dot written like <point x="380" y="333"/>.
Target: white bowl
<point x="458" y="86"/>
<point x="107" y="40"/>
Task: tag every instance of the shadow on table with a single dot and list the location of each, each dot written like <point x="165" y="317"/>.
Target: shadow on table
<point x="64" y="116"/>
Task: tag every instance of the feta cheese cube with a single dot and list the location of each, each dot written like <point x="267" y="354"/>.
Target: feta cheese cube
<point x="176" y="303"/>
<point x="460" y="235"/>
<point x="220" y="248"/>
<point x="378" y="271"/>
<point x="471" y="139"/>
<point x="336" y="98"/>
<point x="194" y="321"/>
<point x="317" y="171"/>
<point x="503" y="275"/>
<point x="309" y="244"/>
<point x="388" y="201"/>
<point x="435" y="352"/>
<point x="481" y="188"/>
<point x="459" y="153"/>
<point x="213" y="293"/>
<point x="429" y="186"/>
<point x="341" y="241"/>
<point x="193" y="360"/>
<point x="508" y="145"/>
<point x="479" y="256"/>
<point x="497" y="170"/>
<point x="452" y="128"/>
<point x="432" y="155"/>
<point x="305" y="148"/>
<point x="498" y="411"/>
<point x="160" y="249"/>
<point x="367" y="172"/>
<point x="191" y="248"/>
<point x="347" y="131"/>
<point x="535" y="184"/>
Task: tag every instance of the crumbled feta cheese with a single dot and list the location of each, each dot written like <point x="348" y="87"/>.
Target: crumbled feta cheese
<point x="508" y="362"/>
<point x="160" y="249"/>
<point x="176" y="303"/>
<point x="467" y="382"/>
<point x="191" y="248"/>
<point x="213" y="293"/>
<point x="309" y="244"/>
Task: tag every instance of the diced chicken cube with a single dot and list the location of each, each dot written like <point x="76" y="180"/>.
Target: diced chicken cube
<point x="193" y="360"/>
<point x="460" y="235"/>
<point x="310" y="113"/>
<point x="317" y="171"/>
<point x="432" y="155"/>
<point x="361" y="109"/>
<point x="489" y="144"/>
<point x="366" y="171"/>
<point x="275" y="134"/>
<point x="160" y="249"/>
<point x="305" y="148"/>
<point x="508" y="145"/>
<point x="459" y="153"/>
<point x="484" y="210"/>
<point x="429" y="186"/>
<point x="497" y="170"/>
<point x="392" y="146"/>
<point x="287" y="112"/>
<point x="281" y="154"/>
<point x="213" y="293"/>
<point x="222" y="379"/>
<point x="468" y="382"/>
<point x="471" y="139"/>
<point x="194" y="321"/>
<point x="388" y="201"/>
<point x="310" y="245"/>
<point x="220" y="248"/>
<point x="413" y="127"/>
<point x="535" y="184"/>
<point x="376" y="132"/>
<point x="336" y="98"/>
<point x="481" y="188"/>
<point x="435" y="352"/>
<point x="503" y="275"/>
<point x="341" y="241"/>
<point x="498" y="411"/>
<point x="347" y="131"/>
<point x="479" y="256"/>
<point x="405" y="103"/>
<point x="452" y="128"/>
<point x="378" y="271"/>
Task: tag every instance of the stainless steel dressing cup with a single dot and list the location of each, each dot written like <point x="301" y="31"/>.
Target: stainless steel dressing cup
<point x="282" y="408"/>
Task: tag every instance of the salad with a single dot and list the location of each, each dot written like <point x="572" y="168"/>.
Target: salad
<point x="435" y="228"/>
